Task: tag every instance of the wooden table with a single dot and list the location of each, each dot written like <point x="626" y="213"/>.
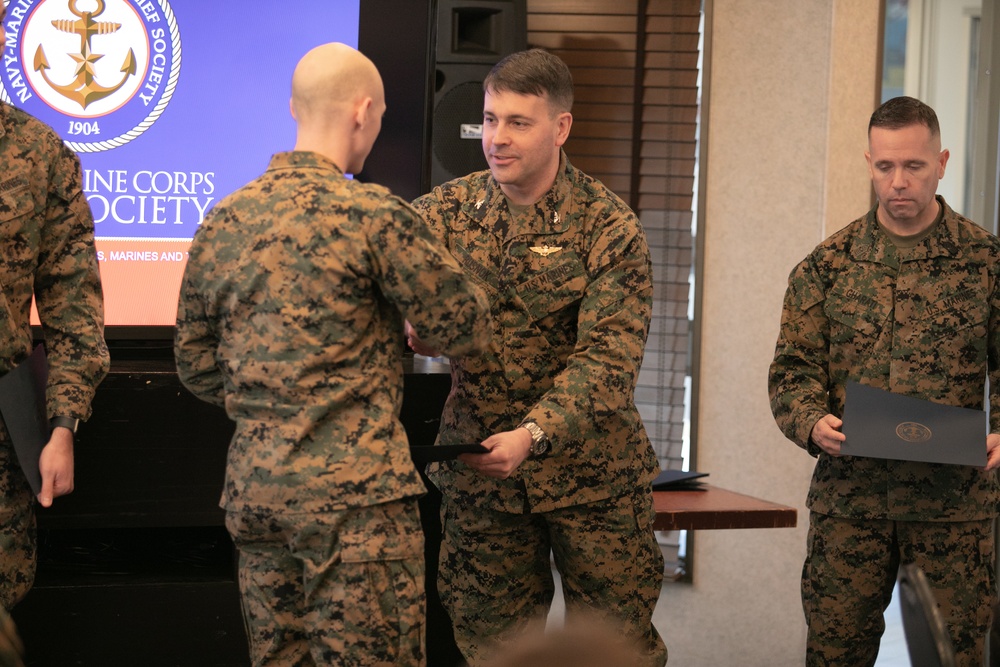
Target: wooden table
<point x="715" y="508"/>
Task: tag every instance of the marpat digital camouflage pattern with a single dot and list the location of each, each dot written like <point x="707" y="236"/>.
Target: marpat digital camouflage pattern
<point x="570" y="286"/>
<point x="845" y="585"/>
<point x="291" y="316"/>
<point x="46" y="251"/>
<point x="922" y="322"/>
<point x="569" y="328"/>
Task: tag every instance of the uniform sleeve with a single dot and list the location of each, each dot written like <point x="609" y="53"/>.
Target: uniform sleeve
<point x="600" y="374"/>
<point x="68" y="294"/>
<point x="993" y="351"/>
<point x="438" y="212"/>
<point x="418" y="274"/>
<point x="195" y="339"/>
<point x="798" y="378"/>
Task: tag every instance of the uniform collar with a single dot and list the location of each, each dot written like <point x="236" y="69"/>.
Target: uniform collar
<point x="293" y="159"/>
<point x="552" y="211"/>
<point x="872" y="245"/>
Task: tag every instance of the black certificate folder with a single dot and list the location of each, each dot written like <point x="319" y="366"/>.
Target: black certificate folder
<point x="22" y="404"/>
<point x="884" y="425"/>
<point x="424" y="454"/>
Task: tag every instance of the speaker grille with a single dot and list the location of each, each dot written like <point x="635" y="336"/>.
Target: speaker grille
<point x="462" y="105"/>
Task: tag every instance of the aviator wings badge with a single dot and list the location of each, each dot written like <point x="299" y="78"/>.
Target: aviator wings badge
<point x="544" y="250"/>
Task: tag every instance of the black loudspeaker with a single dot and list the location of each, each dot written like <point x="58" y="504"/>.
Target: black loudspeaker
<point x="433" y="66"/>
<point x="471" y="36"/>
<point x="398" y="36"/>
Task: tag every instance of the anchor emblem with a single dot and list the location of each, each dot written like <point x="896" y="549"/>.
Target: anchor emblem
<point x="85" y="89"/>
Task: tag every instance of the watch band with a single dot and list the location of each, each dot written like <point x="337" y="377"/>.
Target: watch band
<point x="539" y="441"/>
<point x="66" y="422"/>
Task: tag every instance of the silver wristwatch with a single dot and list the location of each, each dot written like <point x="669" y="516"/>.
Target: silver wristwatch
<point x="539" y="441"/>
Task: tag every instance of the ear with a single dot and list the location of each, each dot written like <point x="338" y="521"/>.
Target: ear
<point x="563" y="124"/>
<point x="943" y="162"/>
<point x="291" y="109"/>
<point x="361" y="111"/>
<point x="868" y="159"/>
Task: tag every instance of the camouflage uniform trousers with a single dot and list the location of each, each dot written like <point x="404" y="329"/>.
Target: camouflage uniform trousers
<point x="495" y="574"/>
<point x="341" y="588"/>
<point x="849" y="574"/>
<point x="17" y="529"/>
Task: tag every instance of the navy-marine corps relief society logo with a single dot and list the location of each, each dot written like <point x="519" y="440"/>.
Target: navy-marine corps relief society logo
<point x="101" y="72"/>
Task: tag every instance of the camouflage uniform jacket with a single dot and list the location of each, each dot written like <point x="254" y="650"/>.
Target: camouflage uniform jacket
<point x="570" y="287"/>
<point x="289" y="316"/>
<point x="921" y="321"/>
<point x="47" y="251"/>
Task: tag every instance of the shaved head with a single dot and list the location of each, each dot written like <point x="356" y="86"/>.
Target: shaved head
<point x="337" y="103"/>
<point x="329" y="79"/>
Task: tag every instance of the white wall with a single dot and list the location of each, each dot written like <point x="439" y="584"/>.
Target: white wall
<point x="791" y="87"/>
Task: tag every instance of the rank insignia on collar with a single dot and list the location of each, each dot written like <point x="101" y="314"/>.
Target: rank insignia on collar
<point x="544" y="250"/>
<point x="479" y="204"/>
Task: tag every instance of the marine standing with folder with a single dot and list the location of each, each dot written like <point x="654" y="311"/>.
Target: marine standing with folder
<point x="46" y="251"/>
<point x="906" y="299"/>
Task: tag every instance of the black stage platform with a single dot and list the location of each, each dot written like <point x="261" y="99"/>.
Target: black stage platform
<point x="135" y="566"/>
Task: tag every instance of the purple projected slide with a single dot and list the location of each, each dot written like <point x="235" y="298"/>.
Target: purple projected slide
<point x="171" y="105"/>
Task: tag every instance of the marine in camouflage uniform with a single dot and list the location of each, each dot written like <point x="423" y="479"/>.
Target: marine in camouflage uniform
<point x="291" y="316"/>
<point x="918" y="316"/>
<point x="570" y="287"/>
<point x="46" y="251"/>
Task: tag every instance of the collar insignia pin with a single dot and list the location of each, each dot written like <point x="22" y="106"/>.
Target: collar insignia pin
<point x="479" y="204"/>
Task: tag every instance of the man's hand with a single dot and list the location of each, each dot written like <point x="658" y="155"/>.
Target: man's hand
<point x="992" y="451"/>
<point x="826" y="433"/>
<point x="416" y="344"/>
<point x="56" y="466"/>
<point x="507" y="451"/>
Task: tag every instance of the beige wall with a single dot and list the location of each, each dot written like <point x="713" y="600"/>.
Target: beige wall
<point x="791" y="86"/>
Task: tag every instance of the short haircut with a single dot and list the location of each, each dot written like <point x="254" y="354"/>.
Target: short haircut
<point x="900" y="112"/>
<point x="533" y="72"/>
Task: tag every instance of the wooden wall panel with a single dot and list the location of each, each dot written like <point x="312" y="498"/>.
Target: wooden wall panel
<point x="580" y="23"/>
<point x="605" y="94"/>
<point x="618" y="113"/>
<point x="582" y="7"/>
<point x="555" y="41"/>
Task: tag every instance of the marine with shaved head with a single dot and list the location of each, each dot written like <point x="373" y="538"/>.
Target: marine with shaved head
<point x="291" y="317"/>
